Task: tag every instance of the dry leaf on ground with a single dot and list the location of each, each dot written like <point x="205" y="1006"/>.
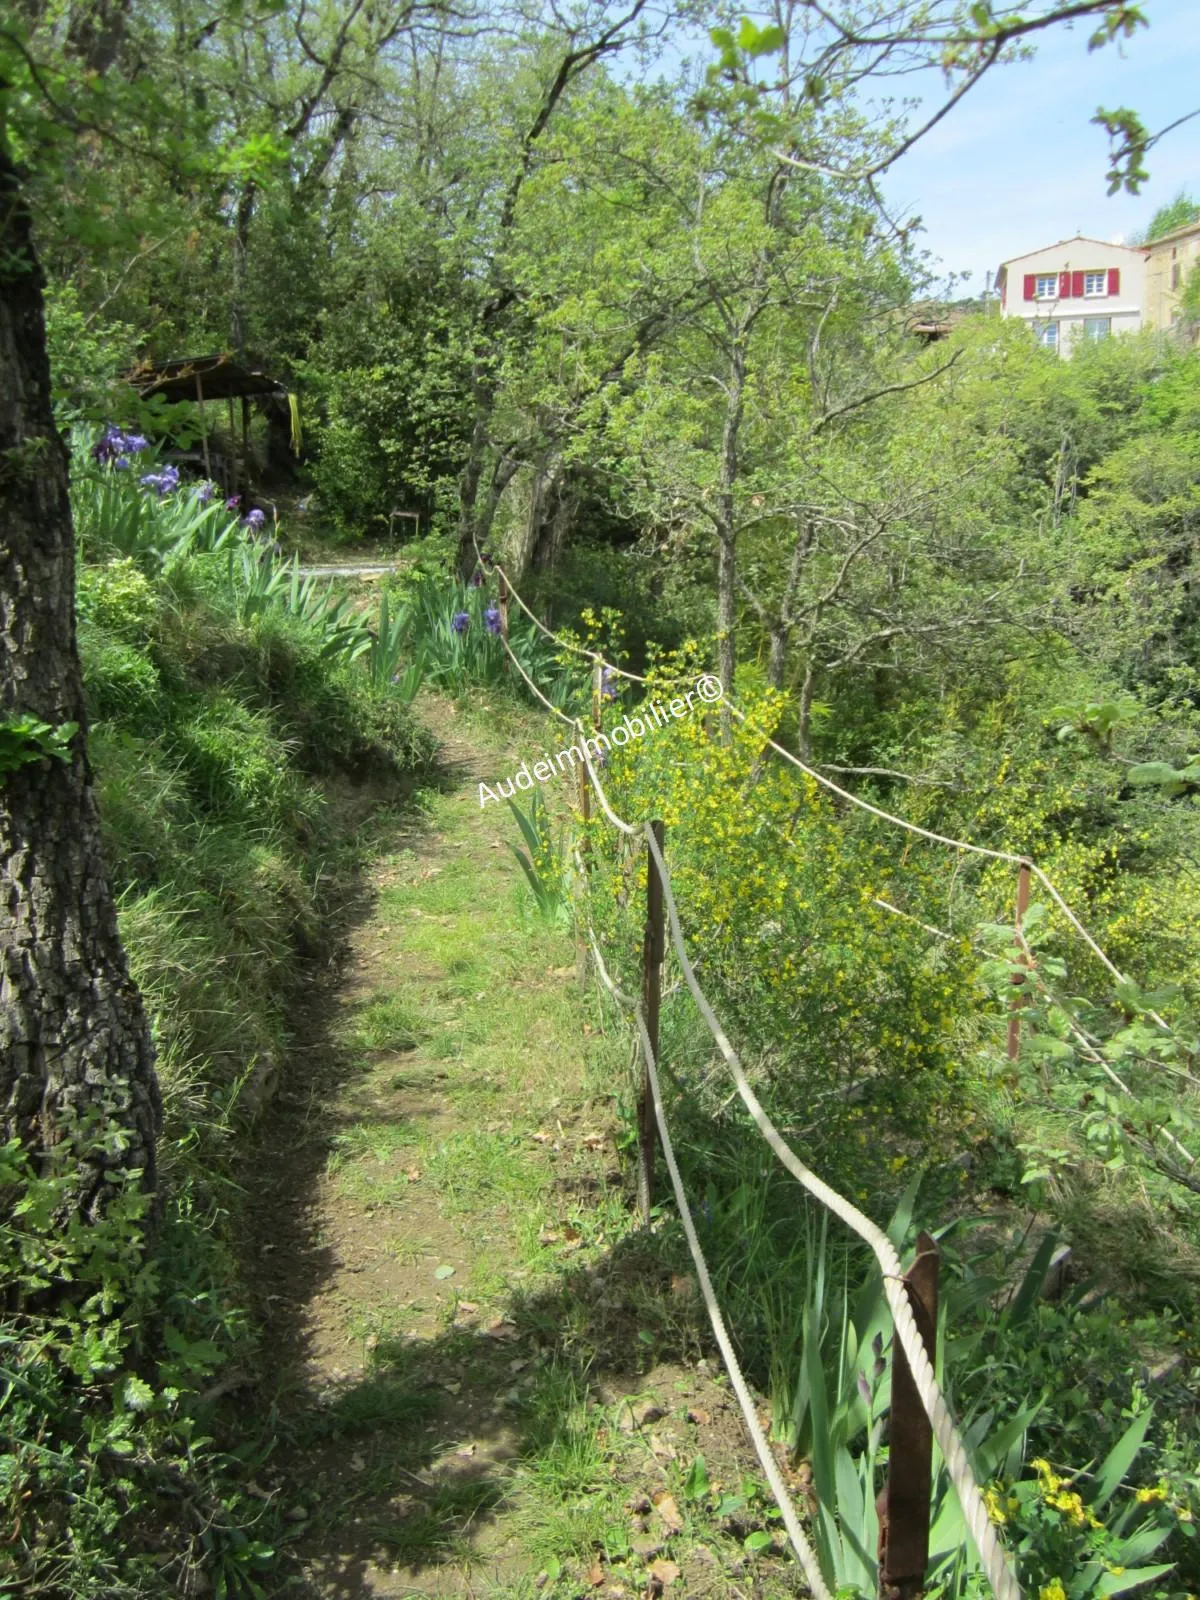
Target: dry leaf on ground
<point x="668" y="1510"/>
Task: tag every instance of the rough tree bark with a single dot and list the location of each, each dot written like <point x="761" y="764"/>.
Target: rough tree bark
<point x="73" y="1033"/>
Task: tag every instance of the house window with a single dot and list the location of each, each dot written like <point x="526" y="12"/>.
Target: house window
<point x="1097" y="327"/>
<point x="1176" y="274"/>
<point x="1046" y="333"/>
<point x="1095" y="283"/>
<point x="1047" y="286"/>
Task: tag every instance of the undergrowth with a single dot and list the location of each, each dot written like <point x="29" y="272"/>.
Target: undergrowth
<point x="220" y="732"/>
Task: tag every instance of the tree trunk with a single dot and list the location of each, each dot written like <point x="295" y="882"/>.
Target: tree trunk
<point x="74" y="1040"/>
<point x="727" y="528"/>
<point x="468" y="493"/>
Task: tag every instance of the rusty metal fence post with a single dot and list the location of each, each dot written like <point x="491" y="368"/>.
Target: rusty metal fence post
<point x="503" y="606"/>
<point x="1014" y="1019"/>
<point x="904" y="1525"/>
<point x="653" y="950"/>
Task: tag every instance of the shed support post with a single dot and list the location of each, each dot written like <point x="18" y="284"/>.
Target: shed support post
<point x="203" y="426"/>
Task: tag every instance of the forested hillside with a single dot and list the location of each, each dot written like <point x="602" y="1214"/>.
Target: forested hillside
<point x="593" y="329"/>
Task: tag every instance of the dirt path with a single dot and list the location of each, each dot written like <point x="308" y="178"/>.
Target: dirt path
<point x="483" y="1372"/>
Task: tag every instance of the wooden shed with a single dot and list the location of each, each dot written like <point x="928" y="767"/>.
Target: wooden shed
<point x="211" y="379"/>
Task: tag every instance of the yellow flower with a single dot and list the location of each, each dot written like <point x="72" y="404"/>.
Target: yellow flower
<point x="1052" y="1590"/>
<point x="995" y="1511"/>
<point x="1148" y="1496"/>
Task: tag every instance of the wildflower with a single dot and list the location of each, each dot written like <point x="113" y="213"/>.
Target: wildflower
<point x="114" y="447"/>
<point x="1053" y="1590"/>
<point x="255" y="519"/>
<point x="460" y="621"/>
<point x="108" y="446"/>
<point x="164" y="482"/>
<point x="491" y="619"/>
<point x="608" y="689"/>
<point x="477" y="578"/>
<point x="205" y="492"/>
<point x="233" y="502"/>
<point x="1147" y="1497"/>
<point x="1069" y="1503"/>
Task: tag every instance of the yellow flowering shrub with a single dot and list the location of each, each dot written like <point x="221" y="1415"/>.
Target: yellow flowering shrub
<point x="841" y="1000"/>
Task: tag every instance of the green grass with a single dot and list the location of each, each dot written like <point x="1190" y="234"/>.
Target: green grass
<point x="387" y="1023"/>
<point x="439" y="1526"/>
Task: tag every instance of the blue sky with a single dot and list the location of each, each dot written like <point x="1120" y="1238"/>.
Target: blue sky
<point x="1018" y="164"/>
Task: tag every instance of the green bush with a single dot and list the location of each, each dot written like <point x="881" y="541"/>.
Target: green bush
<point x="214" y="725"/>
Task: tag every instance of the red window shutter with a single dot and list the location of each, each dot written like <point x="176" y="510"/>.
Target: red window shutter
<point x="1114" y="280"/>
<point x="1077" y="285"/>
<point x="1031" y="286"/>
<point x="1064" y="286"/>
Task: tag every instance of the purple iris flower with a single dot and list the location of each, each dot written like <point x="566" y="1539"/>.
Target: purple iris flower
<point x="491" y="619"/>
<point x="477" y="578"/>
<point x="114" y="447"/>
<point x="108" y="446"/>
<point x="608" y="689"/>
<point x="460" y="621"/>
<point x="164" y="482"/>
<point x="121" y="463"/>
<point x="255" y="519"/>
<point x="233" y="502"/>
<point x="205" y="492"/>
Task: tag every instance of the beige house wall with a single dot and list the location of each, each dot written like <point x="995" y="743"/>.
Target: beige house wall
<point x="1124" y="309"/>
<point x="1170" y="260"/>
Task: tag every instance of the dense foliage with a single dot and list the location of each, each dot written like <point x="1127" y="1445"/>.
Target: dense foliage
<point x="648" y="340"/>
<point x="222" y="728"/>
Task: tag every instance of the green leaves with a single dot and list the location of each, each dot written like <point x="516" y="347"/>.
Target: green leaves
<point x="26" y="739"/>
<point x="1162" y="775"/>
<point x="541" y="861"/>
<point x="696" y="1485"/>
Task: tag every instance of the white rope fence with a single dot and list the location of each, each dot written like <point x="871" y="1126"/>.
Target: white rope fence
<point x="982" y="1530"/>
<point x="804" y="1551"/>
<point x="762" y="1449"/>
<point x="964" y="845"/>
<point x="983" y="1533"/>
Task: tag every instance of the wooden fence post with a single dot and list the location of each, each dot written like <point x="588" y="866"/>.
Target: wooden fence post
<point x="503" y="602"/>
<point x="1014" y="1019"/>
<point x="653" y="950"/>
<point x="585" y="787"/>
<point x="904" y="1525"/>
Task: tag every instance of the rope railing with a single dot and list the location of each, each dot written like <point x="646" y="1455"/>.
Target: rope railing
<point x="908" y="1335"/>
<point x="964" y="845"/>
<point x="975" y="1513"/>
<point x="804" y="1551"/>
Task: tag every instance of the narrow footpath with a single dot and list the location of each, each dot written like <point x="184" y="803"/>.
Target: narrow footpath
<point x="485" y="1378"/>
